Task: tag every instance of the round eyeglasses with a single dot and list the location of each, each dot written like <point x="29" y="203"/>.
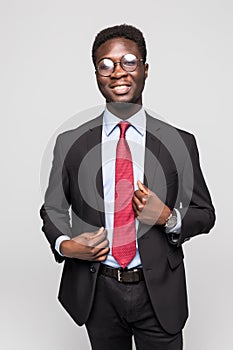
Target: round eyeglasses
<point x="128" y="62"/>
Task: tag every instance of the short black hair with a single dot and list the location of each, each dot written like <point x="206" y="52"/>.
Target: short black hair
<point x="120" y="31"/>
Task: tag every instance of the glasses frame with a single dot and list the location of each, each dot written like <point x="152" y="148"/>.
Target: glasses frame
<point x="115" y="63"/>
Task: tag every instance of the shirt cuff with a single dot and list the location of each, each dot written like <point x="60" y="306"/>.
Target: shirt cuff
<point x="58" y="242"/>
<point x="177" y="228"/>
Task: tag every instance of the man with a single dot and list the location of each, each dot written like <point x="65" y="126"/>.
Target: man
<point x="125" y="191"/>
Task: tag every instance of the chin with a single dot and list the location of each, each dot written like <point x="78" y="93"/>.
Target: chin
<point x="121" y="98"/>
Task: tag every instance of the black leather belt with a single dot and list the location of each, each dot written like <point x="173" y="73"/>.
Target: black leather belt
<point x="133" y="275"/>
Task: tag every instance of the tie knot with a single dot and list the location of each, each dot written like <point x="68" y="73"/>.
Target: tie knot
<point x="123" y="127"/>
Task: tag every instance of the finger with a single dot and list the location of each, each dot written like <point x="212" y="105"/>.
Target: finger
<point x="94" y="238"/>
<point x="141" y="196"/>
<point x="102" y="245"/>
<point x="138" y="203"/>
<point x="90" y="253"/>
<point x="84" y="235"/>
<point x="101" y="257"/>
<point x="99" y="237"/>
<point x="137" y="213"/>
<point x="95" y="241"/>
<point x="134" y="209"/>
<point x="101" y="253"/>
<point x="89" y="239"/>
<point x="142" y="187"/>
<point x="101" y="232"/>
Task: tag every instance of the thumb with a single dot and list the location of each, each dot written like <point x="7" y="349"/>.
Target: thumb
<point x="100" y="231"/>
<point x="142" y="187"/>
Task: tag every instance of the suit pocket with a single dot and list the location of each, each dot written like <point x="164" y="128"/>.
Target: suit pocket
<point x="175" y="258"/>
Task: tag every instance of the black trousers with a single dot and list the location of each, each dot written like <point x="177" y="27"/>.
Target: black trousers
<point x="121" y="311"/>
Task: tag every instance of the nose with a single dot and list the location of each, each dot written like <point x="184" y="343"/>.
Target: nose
<point x="118" y="71"/>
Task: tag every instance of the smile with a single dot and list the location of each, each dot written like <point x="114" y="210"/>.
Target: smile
<point x="121" y="89"/>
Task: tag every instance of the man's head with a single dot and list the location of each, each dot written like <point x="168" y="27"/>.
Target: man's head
<point x="119" y="56"/>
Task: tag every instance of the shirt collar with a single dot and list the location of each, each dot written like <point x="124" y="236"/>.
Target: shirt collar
<point x="138" y="121"/>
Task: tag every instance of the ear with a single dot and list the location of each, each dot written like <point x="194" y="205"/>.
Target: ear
<point x="146" y="70"/>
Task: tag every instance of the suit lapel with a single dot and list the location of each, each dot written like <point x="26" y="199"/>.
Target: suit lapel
<point x="151" y="163"/>
<point x="152" y="151"/>
<point x="94" y="145"/>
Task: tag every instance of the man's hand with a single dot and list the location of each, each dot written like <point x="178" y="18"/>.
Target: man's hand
<point x="92" y="246"/>
<point x="148" y="208"/>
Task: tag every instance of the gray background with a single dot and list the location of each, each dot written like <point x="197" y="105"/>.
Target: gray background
<point x="47" y="77"/>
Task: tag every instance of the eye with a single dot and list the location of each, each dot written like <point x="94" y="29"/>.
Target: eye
<point x="129" y="60"/>
<point x="105" y="64"/>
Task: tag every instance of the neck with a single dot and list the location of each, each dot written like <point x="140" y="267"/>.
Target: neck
<point x="123" y="110"/>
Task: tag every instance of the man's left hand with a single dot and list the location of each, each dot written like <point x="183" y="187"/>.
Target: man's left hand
<point x="148" y="208"/>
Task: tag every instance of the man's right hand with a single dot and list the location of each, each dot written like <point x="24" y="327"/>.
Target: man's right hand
<point x="92" y="246"/>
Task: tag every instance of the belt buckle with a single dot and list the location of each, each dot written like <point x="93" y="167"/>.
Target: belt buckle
<point x="119" y="275"/>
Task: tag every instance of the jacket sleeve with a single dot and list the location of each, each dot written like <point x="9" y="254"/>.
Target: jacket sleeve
<point x="197" y="211"/>
<point x="55" y="210"/>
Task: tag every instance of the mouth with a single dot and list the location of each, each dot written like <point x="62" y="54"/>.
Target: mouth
<point x="121" y="89"/>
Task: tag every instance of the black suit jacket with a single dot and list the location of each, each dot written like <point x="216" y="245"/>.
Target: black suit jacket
<point x="172" y="171"/>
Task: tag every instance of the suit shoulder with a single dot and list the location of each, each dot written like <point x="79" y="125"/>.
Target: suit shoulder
<point x="81" y="129"/>
<point x="69" y="138"/>
<point x="167" y="128"/>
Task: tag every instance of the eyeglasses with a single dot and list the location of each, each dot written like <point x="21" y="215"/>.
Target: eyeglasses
<point x="128" y="62"/>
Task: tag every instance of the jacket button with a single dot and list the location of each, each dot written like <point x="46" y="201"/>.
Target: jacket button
<point x="92" y="269"/>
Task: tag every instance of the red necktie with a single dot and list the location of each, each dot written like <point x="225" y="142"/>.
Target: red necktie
<point x="124" y="245"/>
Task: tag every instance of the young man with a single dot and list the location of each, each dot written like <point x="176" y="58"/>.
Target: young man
<point x="136" y="193"/>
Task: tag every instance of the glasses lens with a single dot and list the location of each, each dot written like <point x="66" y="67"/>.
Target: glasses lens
<point x="105" y="67"/>
<point x="129" y="62"/>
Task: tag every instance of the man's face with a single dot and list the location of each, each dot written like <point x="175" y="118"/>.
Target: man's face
<point x="121" y="86"/>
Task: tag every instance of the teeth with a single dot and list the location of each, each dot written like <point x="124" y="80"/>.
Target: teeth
<point x="121" y="88"/>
